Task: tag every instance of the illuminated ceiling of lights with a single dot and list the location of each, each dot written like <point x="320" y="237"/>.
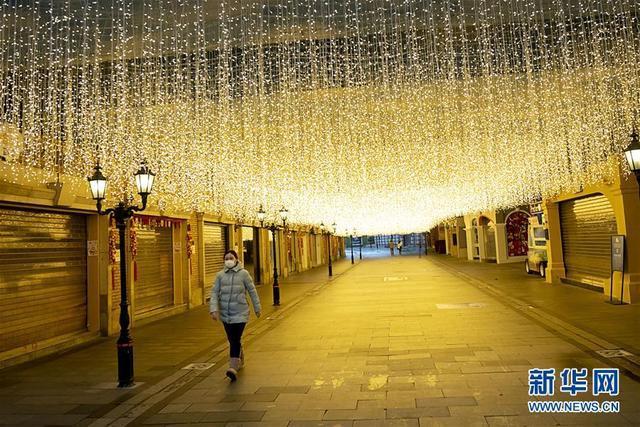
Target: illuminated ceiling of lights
<point x="380" y="115"/>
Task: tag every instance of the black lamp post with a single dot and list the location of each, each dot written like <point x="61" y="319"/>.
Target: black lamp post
<point x="355" y="233"/>
<point x="351" y="244"/>
<point x="328" y="233"/>
<point x="273" y="227"/>
<point x="426" y="243"/>
<point x="122" y="213"/>
<point x="632" y="154"/>
<point x="334" y="228"/>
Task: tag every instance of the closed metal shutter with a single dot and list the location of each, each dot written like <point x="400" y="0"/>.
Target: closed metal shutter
<point x="43" y="276"/>
<point x="215" y="245"/>
<point x="154" y="287"/>
<point x="313" y="246"/>
<point x="587" y="225"/>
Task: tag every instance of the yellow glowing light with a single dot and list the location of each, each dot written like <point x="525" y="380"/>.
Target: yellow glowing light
<point x="383" y="116"/>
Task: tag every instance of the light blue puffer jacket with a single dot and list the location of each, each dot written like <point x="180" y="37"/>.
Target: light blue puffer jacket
<point x="229" y="297"/>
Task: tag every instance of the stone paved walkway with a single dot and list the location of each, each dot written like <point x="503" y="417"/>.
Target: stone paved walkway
<point x="393" y="341"/>
<point x="584" y="308"/>
<point x="73" y="387"/>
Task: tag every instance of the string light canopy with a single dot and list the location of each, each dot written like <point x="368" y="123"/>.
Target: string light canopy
<point x="386" y="115"/>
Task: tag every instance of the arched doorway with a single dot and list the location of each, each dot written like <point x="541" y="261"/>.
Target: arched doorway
<point x="517" y="233"/>
<point x="476" y="239"/>
<point x="488" y="238"/>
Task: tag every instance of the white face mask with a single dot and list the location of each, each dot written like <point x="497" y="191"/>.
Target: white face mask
<point x="230" y="263"/>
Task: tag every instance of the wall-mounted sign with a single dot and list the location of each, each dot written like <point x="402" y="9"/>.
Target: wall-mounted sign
<point x="92" y="248"/>
<point x="535" y="207"/>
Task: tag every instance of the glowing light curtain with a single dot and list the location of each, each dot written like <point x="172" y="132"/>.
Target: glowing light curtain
<point x="385" y="116"/>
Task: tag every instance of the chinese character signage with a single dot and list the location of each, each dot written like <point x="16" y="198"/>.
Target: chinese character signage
<point x="575" y="382"/>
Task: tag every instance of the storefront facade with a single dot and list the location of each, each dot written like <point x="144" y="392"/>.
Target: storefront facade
<point x="581" y="226"/>
<point x="57" y="248"/>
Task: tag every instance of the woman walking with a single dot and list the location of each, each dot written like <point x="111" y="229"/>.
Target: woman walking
<point x="229" y="305"/>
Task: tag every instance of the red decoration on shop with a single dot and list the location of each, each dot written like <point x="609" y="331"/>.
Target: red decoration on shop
<point x="155" y="221"/>
<point x="113" y="245"/>
<point x="517" y="233"/>
<point x="114" y="241"/>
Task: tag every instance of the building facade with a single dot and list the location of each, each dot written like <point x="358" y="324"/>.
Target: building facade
<point x="578" y="229"/>
<point x="60" y="262"/>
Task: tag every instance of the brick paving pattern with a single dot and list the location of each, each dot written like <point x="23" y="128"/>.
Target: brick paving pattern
<point x="391" y="342"/>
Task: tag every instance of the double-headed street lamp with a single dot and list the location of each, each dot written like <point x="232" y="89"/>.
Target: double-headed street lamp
<point x="328" y="232"/>
<point x="351" y="244"/>
<point x="122" y="213"/>
<point x="355" y="233"/>
<point x="273" y="227"/>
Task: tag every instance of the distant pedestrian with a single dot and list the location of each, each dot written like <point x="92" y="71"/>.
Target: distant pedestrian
<point x="392" y="245"/>
<point x="229" y="305"/>
<point x="400" y="245"/>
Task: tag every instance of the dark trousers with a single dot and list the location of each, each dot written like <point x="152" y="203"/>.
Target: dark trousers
<point x="234" y="335"/>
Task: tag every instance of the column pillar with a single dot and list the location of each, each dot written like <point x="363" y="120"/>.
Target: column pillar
<point x="234" y="238"/>
<point x="555" y="260"/>
<point x="198" y="232"/>
<point x="267" y="259"/>
<point x="626" y="204"/>
<point x="470" y="248"/>
<point x="181" y="288"/>
<point x="447" y="236"/>
<point x="501" y="243"/>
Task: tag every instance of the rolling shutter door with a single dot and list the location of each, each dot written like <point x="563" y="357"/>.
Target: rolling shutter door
<point x="43" y="276"/>
<point x="587" y="226"/>
<point x="215" y="245"/>
<point x="154" y="287"/>
<point x="313" y="247"/>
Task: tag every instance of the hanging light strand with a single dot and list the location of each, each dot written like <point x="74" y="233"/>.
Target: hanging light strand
<point x="388" y="116"/>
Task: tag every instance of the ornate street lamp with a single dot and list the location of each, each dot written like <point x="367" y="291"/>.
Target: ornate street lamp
<point x="334" y="227"/>
<point x="122" y="213"/>
<point x="355" y="233"/>
<point x="327" y="231"/>
<point x="632" y="154"/>
<point x="351" y="244"/>
<point x="284" y="215"/>
<point x="273" y="227"/>
<point x="261" y="215"/>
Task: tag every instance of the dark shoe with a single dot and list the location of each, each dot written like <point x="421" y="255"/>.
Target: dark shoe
<point x="232" y="374"/>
